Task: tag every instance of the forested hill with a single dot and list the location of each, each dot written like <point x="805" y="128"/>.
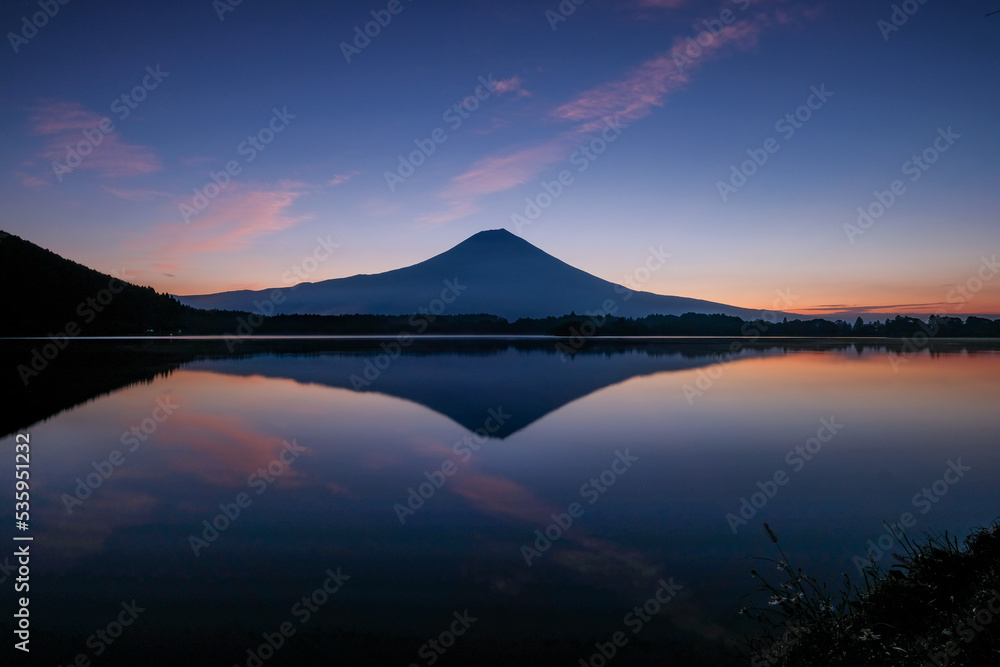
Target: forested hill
<point x="48" y="294"/>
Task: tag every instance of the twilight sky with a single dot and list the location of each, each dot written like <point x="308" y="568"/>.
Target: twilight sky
<point x="113" y="115"/>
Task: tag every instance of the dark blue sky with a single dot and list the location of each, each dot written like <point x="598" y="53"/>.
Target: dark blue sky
<point x="685" y="114"/>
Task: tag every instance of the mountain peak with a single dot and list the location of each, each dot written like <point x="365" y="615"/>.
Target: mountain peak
<point x="493" y="233"/>
<point x="500" y="273"/>
<point x="494" y="236"/>
<point x="493" y="243"/>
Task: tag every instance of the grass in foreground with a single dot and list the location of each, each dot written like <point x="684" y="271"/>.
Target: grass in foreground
<point x="940" y="605"/>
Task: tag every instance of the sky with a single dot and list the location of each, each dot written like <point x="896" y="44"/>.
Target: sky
<point x="812" y="157"/>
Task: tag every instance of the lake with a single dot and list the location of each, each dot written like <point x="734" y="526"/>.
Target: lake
<point x="475" y="502"/>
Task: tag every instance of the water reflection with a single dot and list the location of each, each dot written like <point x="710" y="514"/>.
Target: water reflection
<point x="480" y="498"/>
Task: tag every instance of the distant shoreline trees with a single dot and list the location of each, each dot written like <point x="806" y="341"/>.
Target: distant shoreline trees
<point x="51" y="296"/>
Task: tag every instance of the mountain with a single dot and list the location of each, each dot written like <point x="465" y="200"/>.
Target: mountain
<point x="491" y="272"/>
<point x="49" y="295"/>
<point x="530" y="379"/>
<point x="458" y="379"/>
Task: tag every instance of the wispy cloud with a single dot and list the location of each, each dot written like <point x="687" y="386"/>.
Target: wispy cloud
<point x="240" y="215"/>
<point x="512" y="85"/>
<point x="136" y="195"/>
<point x="63" y="124"/>
<point x="855" y="309"/>
<point x="496" y="173"/>
<point x="636" y="94"/>
<point x="340" y="179"/>
<point x="30" y="181"/>
<point x="221" y="449"/>
<point x="627" y="99"/>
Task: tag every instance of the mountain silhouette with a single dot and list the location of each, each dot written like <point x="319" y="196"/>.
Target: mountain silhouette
<point x="49" y="295"/>
<point x="528" y="379"/>
<point x="491" y="272"/>
<point x="460" y="379"/>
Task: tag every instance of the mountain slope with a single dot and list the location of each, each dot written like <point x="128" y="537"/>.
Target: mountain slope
<point x="528" y="380"/>
<point x="491" y="272"/>
<point x="48" y="294"/>
<point x="53" y="292"/>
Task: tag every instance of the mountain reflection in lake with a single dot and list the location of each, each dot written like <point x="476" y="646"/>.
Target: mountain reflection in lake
<point x="426" y="488"/>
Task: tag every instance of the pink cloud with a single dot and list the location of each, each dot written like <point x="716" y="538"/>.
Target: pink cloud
<point x="341" y="490"/>
<point x="502" y="172"/>
<point x="238" y="216"/>
<point x="230" y="223"/>
<point x="512" y="85"/>
<point x="31" y="181"/>
<point x="167" y="267"/>
<point x="627" y="99"/>
<point x="496" y="174"/>
<point x="222" y="449"/>
<point x="588" y="556"/>
<point x="457" y="209"/>
<point x="648" y="86"/>
<point x="500" y="496"/>
<point x="64" y="124"/>
<point x="61" y="117"/>
<point x="339" y="179"/>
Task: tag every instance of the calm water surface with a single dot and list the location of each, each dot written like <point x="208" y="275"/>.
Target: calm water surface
<point x="426" y="487"/>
